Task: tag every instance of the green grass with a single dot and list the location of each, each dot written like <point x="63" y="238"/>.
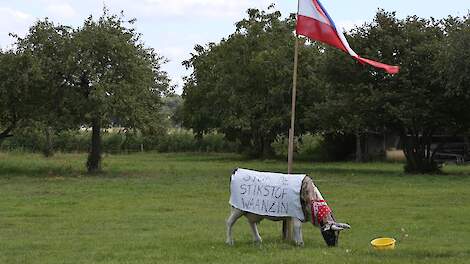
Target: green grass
<point x="171" y="208"/>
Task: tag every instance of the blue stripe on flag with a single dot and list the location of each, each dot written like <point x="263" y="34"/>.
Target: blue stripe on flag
<point x="329" y="18"/>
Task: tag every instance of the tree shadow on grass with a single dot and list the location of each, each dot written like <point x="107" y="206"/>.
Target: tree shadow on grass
<point x="51" y="171"/>
<point x="13" y="171"/>
<point x="397" y="172"/>
<point x="357" y="171"/>
<point x="201" y="157"/>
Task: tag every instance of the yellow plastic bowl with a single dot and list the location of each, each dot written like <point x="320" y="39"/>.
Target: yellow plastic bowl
<point x="383" y="243"/>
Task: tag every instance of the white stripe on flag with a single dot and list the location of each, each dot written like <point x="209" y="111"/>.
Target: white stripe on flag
<point x="308" y="9"/>
<point x="345" y="43"/>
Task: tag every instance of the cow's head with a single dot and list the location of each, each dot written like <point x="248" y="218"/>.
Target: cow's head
<point x="321" y="214"/>
<point x="330" y="230"/>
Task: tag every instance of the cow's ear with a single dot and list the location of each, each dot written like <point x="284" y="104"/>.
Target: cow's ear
<point x="343" y="225"/>
<point x="339" y="226"/>
<point x="334" y="227"/>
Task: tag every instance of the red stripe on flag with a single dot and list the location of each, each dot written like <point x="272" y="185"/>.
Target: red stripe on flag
<point x="388" y="68"/>
<point x="317" y="30"/>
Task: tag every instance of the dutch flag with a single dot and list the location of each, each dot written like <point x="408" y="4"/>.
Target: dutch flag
<point x="314" y="22"/>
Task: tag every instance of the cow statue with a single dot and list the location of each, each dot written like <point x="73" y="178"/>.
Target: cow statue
<point x="280" y="197"/>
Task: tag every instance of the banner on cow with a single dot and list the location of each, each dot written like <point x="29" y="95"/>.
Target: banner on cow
<point x="266" y="193"/>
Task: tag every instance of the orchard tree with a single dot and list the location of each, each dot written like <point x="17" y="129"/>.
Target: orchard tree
<point x="242" y="86"/>
<point x="414" y="101"/>
<point x="115" y="80"/>
<point x="421" y="101"/>
<point x="19" y="75"/>
<point x="350" y="103"/>
<point x="454" y="71"/>
<point x="50" y="46"/>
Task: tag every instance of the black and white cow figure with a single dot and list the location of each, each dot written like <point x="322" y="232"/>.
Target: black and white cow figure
<point x="312" y="206"/>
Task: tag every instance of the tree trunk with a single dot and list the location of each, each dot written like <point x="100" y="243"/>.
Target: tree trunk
<point x="6" y="133"/>
<point x="268" y="151"/>
<point x="94" y="158"/>
<point x="48" y="149"/>
<point x="384" y="144"/>
<point x="359" y="156"/>
<point x="467" y="147"/>
<point x="419" y="160"/>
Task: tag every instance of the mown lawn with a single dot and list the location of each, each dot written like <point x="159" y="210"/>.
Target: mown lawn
<point x="171" y="208"/>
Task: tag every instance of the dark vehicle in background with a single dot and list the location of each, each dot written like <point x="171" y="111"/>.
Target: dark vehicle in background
<point x="451" y="149"/>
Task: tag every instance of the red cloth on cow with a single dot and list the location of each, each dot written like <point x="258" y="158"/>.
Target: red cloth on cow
<point x="320" y="209"/>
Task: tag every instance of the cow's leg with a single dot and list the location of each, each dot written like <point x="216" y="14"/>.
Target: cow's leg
<point x="234" y="216"/>
<point x="299" y="241"/>
<point x="254" y="229"/>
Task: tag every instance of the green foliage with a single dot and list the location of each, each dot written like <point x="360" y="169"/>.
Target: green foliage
<point x="280" y="146"/>
<point x="328" y="147"/>
<point x="49" y="45"/>
<point x="241" y="86"/>
<point x="20" y="96"/>
<point x="114" y="142"/>
<point x="172" y="110"/>
<point x="99" y="75"/>
<point x="72" y="141"/>
<point x="454" y="69"/>
<point x="310" y="146"/>
<point x="33" y="139"/>
<point x="184" y="141"/>
<point x="416" y="103"/>
<point x="115" y="78"/>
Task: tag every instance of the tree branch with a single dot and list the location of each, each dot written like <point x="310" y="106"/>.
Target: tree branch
<point x="6" y="132"/>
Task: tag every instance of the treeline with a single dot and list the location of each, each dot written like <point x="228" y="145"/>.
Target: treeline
<point x="241" y="86"/>
<point x="101" y="75"/>
<point x="33" y="139"/>
<point x="117" y="142"/>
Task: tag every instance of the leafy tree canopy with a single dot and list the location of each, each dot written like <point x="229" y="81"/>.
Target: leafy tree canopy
<point x="418" y="102"/>
<point x="98" y="75"/>
<point x="19" y="91"/>
<point x="241" y="86"/>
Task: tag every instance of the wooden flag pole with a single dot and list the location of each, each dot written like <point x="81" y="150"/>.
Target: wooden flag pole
<point x="287" y="226"/>
<point x="290" y="158"/>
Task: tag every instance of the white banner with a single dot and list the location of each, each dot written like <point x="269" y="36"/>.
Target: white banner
<point x="268" y="194"/>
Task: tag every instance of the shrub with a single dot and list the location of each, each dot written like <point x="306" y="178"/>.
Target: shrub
<point x="316" y="147"/>
<point x="280" y="146"/>
<point x="33" y="140"/>
<point x="311" y="147"/>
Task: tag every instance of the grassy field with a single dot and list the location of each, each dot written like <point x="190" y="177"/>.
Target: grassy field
<point x="171" y="208"/>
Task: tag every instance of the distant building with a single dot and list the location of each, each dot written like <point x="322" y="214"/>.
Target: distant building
<point x="389" y="145"/>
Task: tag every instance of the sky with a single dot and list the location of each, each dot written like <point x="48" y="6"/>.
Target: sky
<point x="174" y="27"/>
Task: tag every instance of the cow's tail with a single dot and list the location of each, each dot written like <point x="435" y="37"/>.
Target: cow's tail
<point x="230" y="181"/>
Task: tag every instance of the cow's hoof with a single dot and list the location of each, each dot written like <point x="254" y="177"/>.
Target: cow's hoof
<point x="258" y="242"/>
<point x="299" y="243"/>
<point x="230" y="242"/>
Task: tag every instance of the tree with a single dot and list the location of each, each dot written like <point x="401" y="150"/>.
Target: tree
<point x="50" y="46"/>
<point x="350" y="103"/>
<point x="419" y="102"/>
<point x="19" y="75"/>
<point x="454" y="70"/>
<point x="414" y="101"/>
<point x="95" y="76"/>
<point x="171" y="110"/>
<point x="115" y="80"/>
<point x="241" y="86"/>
